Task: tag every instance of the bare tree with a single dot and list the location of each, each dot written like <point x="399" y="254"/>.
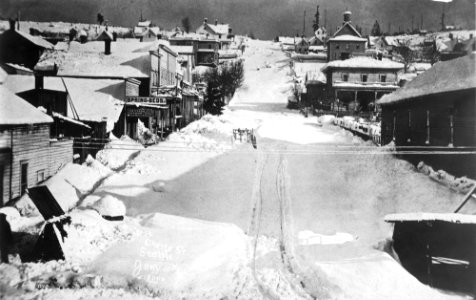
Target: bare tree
<point x="100" y="19"/>
<point x="406" y="53"/>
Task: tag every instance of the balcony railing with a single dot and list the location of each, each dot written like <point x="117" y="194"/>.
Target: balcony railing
<point x="153" y="100"/>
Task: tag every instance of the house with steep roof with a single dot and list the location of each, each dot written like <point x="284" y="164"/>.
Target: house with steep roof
<point x="28" y="155"/>
<point x="346" y="41"/>
<point x="355" y="84"/>
<point x="21" y="48"/>
<point x="221" y="32"/>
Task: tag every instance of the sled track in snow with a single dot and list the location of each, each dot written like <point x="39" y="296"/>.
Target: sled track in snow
<point x="285" y="233"/>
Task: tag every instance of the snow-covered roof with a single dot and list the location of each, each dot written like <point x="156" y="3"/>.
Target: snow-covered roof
<point x="347" y="38"/>
<point x="364" y="63"/>
<point x="372" y="85"/>
<point x="38" y="41"/>
<point x="128" y="58"/>
<point x="144" y="23"/>
<point x="16" y="111"/>
<point x="96" y="99"/>
<point x="448" y="76"/>
<point x="186" y="36"/>
<point x="348" y="25"/>
<point x="315" y="77"/>
<point x="70" y="120"/>
<point x="21" y="83"/>
<point x="220" y="28"/>
<point x="105" y="36"/>
<point x="302" y="68"/>
<point x="431" y="217"/>
<point x="286" y="40"/>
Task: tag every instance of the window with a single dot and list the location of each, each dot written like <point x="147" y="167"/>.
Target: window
<point x="383" y="78"/>
<point x="347" y="46"/>
<point x="337" y="47"/>
<point x="345" y="77"/>
<point x="210" y="46"/>
<point x="23" y="176"/>
<point x="357" y="47"/>
<point x="364" y="77"/>
<point x="219" y="36"/>
<point x="40" y="176"/>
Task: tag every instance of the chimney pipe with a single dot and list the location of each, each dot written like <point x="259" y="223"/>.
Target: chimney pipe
<point x="12" y="24"/>
<point x="216" y="21"/>
<point x="39" y="82"/>
<point x="107" y="47"/>
<point x="205" y="21"/>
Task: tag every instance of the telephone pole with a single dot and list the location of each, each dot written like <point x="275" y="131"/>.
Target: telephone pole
<point x="304" y="24"/>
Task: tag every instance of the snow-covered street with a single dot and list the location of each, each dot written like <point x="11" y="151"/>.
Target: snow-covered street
<point x="300" y="217"/>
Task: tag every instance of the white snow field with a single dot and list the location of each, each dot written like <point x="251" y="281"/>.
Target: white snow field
<point x="208" y="218"/>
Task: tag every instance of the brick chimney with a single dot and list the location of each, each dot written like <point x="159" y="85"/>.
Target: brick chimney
<point x="107" y="47"/>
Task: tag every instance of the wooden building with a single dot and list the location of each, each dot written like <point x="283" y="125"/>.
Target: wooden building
<point x="356" y="83"/>
<point x="21" y="48"/>
<point x="301" y="46"/>
<point x="436" y="111"/>
<point x="207" y="52"/>
<point x="218" y="31"/>
<point x="346" y="41"/>
<point x="27" y="155"/>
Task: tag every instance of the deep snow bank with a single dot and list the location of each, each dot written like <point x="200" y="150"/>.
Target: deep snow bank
<point x="69" y="185"/>
<point x="118" y="151"/>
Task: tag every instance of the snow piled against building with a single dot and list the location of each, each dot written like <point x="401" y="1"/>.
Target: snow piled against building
<point x="118" y="151"/>
<point x="69" y="185"/>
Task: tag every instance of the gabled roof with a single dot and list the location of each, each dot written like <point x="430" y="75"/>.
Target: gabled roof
<point x="219" y="28"/>
<point x="448" y="76"/>
<point x="363" y="62"/>
<point x="105" y="36"/>
<point x="350" y="27"/>
<point x="38" y="41"/>
<point x="144" y="23"/>
<point x="16" y="111"/>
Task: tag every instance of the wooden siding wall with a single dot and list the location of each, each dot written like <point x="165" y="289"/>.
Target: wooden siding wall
<point x="373" y="75"/>
<point x="411" y="120"/>
<point x="31" y="144"/>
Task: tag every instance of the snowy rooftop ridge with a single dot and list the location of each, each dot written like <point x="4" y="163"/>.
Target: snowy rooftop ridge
<point x="448" y="76"/>
<point x="363" y="62"/>
<point x="425" y="217"/>
<point x="16" y="111"/>
<point x="348" y="37"/>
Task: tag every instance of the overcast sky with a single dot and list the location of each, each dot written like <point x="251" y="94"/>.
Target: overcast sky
<point x="265" y="18"/>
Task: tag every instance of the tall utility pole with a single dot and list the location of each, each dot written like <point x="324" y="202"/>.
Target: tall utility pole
<point x="304" y="24"/>
<point x="412" y="23"/>
<point x="325" y="18"/>
<point x="389" y="28"/>
<point x="421" y="21"/>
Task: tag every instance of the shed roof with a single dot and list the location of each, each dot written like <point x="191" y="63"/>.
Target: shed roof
<point x="38" y="41"/>
<point x="448" y="76"/>
<point x="96" y="99"/>
<point x="22" y="83"/>
<point x="429" y="217"/>
<point x="16" y="111"/>
<point x="363" y="62"/>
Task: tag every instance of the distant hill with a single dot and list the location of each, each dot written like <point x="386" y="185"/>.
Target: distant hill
<point x="264" y="18"/>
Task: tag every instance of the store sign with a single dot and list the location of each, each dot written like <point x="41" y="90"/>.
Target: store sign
<point x="142" y="112"/>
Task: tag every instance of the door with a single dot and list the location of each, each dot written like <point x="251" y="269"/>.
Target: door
<point x="23" y="176"/>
